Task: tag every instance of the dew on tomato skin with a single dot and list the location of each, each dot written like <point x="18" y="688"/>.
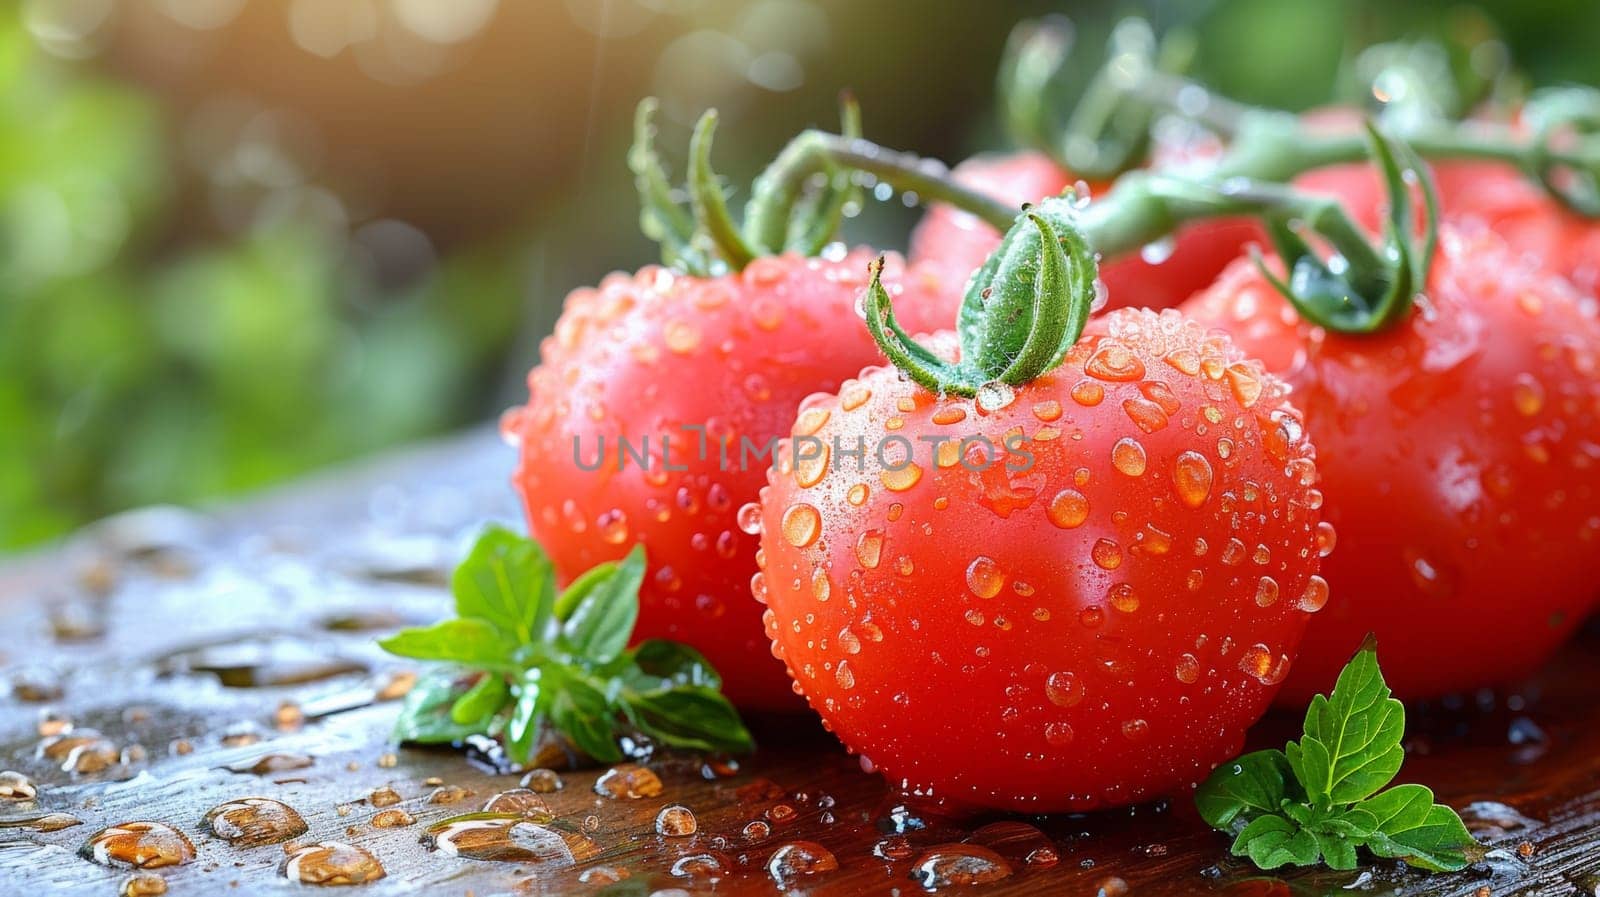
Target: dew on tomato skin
<point x="994" y="396"/>
<point x="857" y="495"/>
<point x="950" y="414"/>
<point x="902" y="479"/>
<point x="758" y="587"/>
<point x="1245" y="384"/>
<point x="1266" y="592"/>
<point x="613" y="526"/>
<point x="904" y="566"/>
<point x="1145" y="414"/>
<point x="1047" y="411"/>
<point x="1192" y="476"/>
<point x="975" y="616"/>
<point x="1121" y="597"/>
<point x="1115" y="363"/>
<point x="869" y="548"/>
<point x="1188" y="669"/>
<point x="810" y="421"/>
<point x="984" y="577"/>
<point x="1315" y="597"/>
<point x="1233" y="554"/>
<point x="1184" y="359"/>
<point x="1135" y="729"/>
<point x="821" y="585"/>
<point x="1091" y="617"/>
<point x="802" y="524"/>
<point x="1431" y="578"/>
<point x="681" y="337"/>
<point x="1088" y="393"/>
<point x="1128" y="457"/>
<point x="1106" y="554"/>
<point x="848" y="641"/>
<point x="811" y="467"/>
<point x="1527" y="394"/>
<point x="1194" y="580"/>
<point x="844" y="676"/>
<point x="853" y="396"/>
<point x="1063" y="689"/>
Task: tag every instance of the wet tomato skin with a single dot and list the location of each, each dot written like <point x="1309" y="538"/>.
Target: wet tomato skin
<point x="650" y="355"/>
<point x="1097" y="629"/>
<point x="1460" y="455"/>
<point x="960" y="242"/>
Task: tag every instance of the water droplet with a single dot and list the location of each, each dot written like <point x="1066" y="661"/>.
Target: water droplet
<point x="801" y="525"/>
<point x="139" y="845"/>
<point x="994" y="396"/>
<point x="1135" y="730"/>
<point x="254" y="821"/>
<point x="1326" y="538"/>
<point x="1115" y="363"/>
<point x="812" y="465"/>
<point x="143" y="884"/>
<point x="857" y="494"/>
<point x="984" y="577"/>
<point x="757" y="831"/>
<point x="869" y="548"/>
<point x="681" y="337"/>
<point x="1058" y="734"/>
<point x="706" y="864"/>
<point x="1063" y="689"/>
<point x="518" y="801"/>
<point x="1527" y="394"/>
<point x="676" y="822"/>
<point x="392" y="818"/>
<point x="332" y="863"/>
<point x="1122" y="598"/>
<point x="1106" y="554"/>
<point x="950" y="414"/>
<point x="902" y="479"/>
<point x="800" y="859"/>
<point x="1192" y="477"/>
<point x="956" y="865"/>
<point x="628" y="781"/>
<point x="1158" y="251"/>
<point x="1111" y="886"/>
<point x="16" y="786"/>
<point x="1128" y="457"/>
<point x="1315" y="597"/>
<point x="1188" y="669"/>
<point x="843" y="675"/>
<point x="1267" y="592"/>
<point x="542" y="781"/>
<point x="508" y="838"/>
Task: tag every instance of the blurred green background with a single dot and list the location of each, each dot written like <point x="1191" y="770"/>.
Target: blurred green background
<point x="241" y="239"/>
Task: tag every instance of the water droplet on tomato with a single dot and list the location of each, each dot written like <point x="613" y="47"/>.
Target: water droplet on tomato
<point x="1128" y="457"/>
<point x="1063" y="689"/>
<point x="802" y="524"/>
<point x="984" y="577"/>
<point x="1192" y="476"/>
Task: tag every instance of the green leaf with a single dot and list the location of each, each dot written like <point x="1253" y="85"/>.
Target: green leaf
<point x="1411" y="827"/>
<point x="425" y="713"/>
<point x="508" y="581"/>
<point x="470" y="642"/>
<point x="692" y="717"/>
<point x="1354" y="822"/>
<point x="603" y="618"/>
<point x="482" y="701"/>
<point x="1249" y="787"/>
<point x="522" y="731"/>
<point x="582" y="712"/>
<point x="674" y="663"/>
<point x="1273" y="841"/>
<point x="1352" y="738"/>
<point x="1338" y="852"/>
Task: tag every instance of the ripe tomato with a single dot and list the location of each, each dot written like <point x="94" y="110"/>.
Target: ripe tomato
<point x="1460" y="454"/>
<point x="653" y="356"/>
<point x="961" y="242"/>
<point x="1090" y="615"/>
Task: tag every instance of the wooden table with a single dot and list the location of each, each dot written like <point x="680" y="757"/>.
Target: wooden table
<point x="230" y="655"/>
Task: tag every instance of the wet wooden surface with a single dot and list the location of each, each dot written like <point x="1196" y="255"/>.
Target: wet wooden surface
<point x="198" y="646"/>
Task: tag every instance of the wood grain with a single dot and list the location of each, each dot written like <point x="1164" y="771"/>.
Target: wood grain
<point x="175" y="628"/>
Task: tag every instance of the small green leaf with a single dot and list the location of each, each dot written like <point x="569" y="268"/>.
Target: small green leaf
<point x="508" y="581"/>
<point x="1273" y="841"/>
<point x="582" y="712"/>
<point x="425" y="712"/>
<point x="522" y="731"/>
<point x="1440" y="843"/>
<point x="674" y="663"/>
<point x="1353" y="822"/>
<point x="692" y="717"/>
<point x="602" y="621"/>
<point x="470" y="642"/>
<point x="1338" y="852"/>
<point x="482" y="701"/>
<point x="1358" y="727"/>
<point x="1250" y="786"/>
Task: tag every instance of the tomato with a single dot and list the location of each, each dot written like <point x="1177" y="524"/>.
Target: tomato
<point x="1083" y="606"/>
<point x="1460" y="455"/>
<point x="960" y="241"/>
<point x="651" y="356"/>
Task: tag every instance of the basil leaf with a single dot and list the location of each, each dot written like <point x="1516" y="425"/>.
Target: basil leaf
<point x="1250" y="786"/>
<point x="1352" y="738"/>
<point x="674" y="663"/>
<point x="1413" y="828"/>
<point x="507" y="580"/>
<point x="1353" y="823"/>
<point x="425" y="713"/>
<point x="522" y="732"/>
<point x="1273" y="841"/>
<point x="689" y="716"/>
<point x="470" y="641"/>
<point x="603" y="620"/>
<point x="582" y="712"/>
<point x="1338" y="852"/>
<point x="482" y="701"/>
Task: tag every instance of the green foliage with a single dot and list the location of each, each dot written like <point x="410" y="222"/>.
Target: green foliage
<point x="1318" y="799"/>
<point x="138" y="366"/>
<point x="537" y="660"/>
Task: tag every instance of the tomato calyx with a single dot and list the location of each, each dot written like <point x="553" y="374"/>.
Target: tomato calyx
<point x="701" y="237"/>
<point x="1022" y="311"/>
<point x="1356" y="288"/>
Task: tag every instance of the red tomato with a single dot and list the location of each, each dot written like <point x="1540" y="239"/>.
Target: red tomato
<point x="651" y="355"/>
<point x="1093" y="630"/>
<point x="961" y="242"/>
<point x="1460" y="454"/>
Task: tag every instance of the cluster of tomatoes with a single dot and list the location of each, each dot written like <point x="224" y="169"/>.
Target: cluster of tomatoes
<point x="1081" y="591"/>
